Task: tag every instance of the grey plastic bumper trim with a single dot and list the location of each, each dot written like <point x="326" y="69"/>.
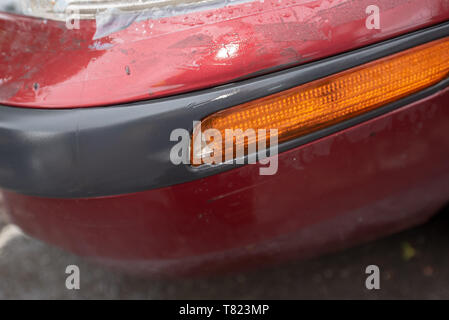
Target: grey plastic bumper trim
<point x="80" y="153"/>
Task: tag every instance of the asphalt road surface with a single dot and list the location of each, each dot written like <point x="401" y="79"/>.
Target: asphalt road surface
<point x="414" y="264"/>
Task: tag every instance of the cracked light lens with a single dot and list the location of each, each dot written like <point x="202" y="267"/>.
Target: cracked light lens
<point x="325" y="102"/>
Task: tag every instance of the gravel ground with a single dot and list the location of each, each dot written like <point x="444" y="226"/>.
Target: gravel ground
<point x="413" y="264"/>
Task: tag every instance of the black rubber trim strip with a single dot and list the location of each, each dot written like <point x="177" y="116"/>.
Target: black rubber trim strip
<point x="90" y="152"/>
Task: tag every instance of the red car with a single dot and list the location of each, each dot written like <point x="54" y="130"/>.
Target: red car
<point x="92" y="93"/>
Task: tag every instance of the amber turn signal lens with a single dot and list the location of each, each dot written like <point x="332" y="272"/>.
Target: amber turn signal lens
<point x="327" y="101"/>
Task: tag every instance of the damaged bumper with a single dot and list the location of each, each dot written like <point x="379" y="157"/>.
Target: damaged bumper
<point x="98" y="181"/>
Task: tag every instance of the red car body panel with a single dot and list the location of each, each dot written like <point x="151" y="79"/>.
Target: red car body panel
<point x="370" y="180"/>
<point x="45" y="65"/>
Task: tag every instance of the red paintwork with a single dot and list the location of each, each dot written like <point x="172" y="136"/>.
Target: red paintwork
<point x="179" y="54"/>
<point x="369" y="180"/>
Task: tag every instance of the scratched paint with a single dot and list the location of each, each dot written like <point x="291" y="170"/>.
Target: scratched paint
<point x="187" y="52"/>
<point x="115" y="19"/>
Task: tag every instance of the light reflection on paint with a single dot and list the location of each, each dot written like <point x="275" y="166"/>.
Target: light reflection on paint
<point x="228" y="51"/>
